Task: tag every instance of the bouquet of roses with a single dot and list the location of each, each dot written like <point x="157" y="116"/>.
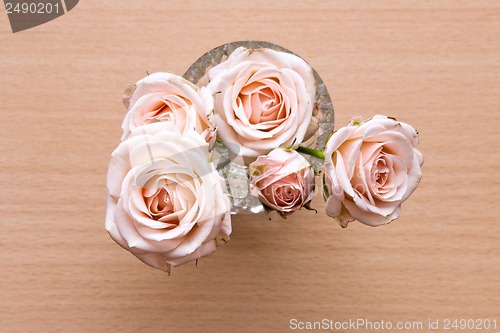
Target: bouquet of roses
<point x="247" y="135"/>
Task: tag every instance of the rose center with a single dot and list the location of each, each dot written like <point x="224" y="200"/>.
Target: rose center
<point x="381" y="172"/>
<point x="167" y="110"/>
<point x="262" y="105"/>
<point x="160" y="203"/>
<point x="266" y="102"/>
<point x="286" y="193"/>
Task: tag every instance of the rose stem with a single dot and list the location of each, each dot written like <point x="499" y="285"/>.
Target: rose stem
<point x="312" y="152"/>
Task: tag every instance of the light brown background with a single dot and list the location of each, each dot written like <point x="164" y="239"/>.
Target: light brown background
<point x="433" y="64"/>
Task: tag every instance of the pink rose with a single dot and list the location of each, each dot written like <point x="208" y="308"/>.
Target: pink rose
<point x="282" y="180"/>
<point x="166" y="201"/>
<point x="370" y="169"/>
<point x="263" y="99"/>
<point x="168" y="97"/>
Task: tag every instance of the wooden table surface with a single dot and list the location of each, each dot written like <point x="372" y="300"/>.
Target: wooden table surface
<point x="433" y="64"/>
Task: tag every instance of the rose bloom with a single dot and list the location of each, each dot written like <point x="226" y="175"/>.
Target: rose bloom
<point x="263" y="99"/>
<point x="166" y="202"/>
<point x="168" y="97"/>
<point x="282" y="180"/>
<point x="370" y="169"/>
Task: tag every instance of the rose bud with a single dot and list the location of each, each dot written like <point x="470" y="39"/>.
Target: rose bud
<point x="168" y="97"/>
<point x="166" y="201"/>
<point x="263" y="99"/>
<point x="283" y="180"/>
<point x="370" y="169"/>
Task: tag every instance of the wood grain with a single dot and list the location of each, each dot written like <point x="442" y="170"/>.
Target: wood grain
<point x="434" y="64"/>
